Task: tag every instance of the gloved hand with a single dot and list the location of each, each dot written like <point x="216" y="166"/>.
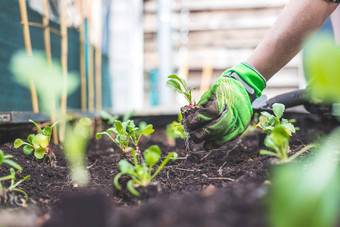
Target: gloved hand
<point x="224" y="110"/>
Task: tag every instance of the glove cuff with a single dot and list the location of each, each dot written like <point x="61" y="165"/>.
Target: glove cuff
<point x="249" y="77"/>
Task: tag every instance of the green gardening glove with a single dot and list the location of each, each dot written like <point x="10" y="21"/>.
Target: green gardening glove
<point x="224" y="111"/>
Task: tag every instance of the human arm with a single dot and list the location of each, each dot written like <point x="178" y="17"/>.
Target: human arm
<point x="297" y="21"/>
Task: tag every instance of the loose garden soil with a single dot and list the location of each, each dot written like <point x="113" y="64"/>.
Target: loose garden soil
<point x="224" y="187"/>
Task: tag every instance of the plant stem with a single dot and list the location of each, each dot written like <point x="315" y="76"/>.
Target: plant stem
<point x="303" y="150"/>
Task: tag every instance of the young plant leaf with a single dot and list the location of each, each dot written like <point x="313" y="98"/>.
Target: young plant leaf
<point x="148" y="130"/>
<point x="41" y="140"/>
<point x="40" y="152"/>
<point x="131" y="189"/>
<point x="28" y="149"/>
<point x="152" y="155"/>
<point x="18" y="143"/>
<point x="175" y="77"/>
<point x="278" y="109"/>
<point x="174" y="85"/>
<point x="36" y="125"/>
<point x="125" y="166"/>
<point x="13" y="164"/>
<point x="30" y="138"/>
<point x="47" y="131"/>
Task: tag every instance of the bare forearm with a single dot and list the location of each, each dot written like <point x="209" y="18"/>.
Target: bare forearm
<point x="298" y="20"/>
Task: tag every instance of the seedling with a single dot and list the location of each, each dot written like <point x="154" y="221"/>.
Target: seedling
<point x="141" y="174"/>
<point x="13" y="186"/>
<point x="7" y="160"/>
<point x="75" y="145"/>
<point x="38" y="143"/>
<point x="180" y="86"/>
<point x="126" y="132"/>
<point x="278" y="141"/>
<point x="175" y="130"/>
<point x="269" y="121"/>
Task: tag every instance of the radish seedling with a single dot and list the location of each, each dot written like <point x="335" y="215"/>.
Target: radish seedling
<point x="175" y="130"/>
<point x="38" y="143"/>
<point x="13" y="187"/>
<point x="278" y="141"/>
<point x="141" y="174"/>
<point x="180" y="86"/>
<point x="269" y="121"/>
<point x="7" y="160"/>
<point x="126" y="132"/>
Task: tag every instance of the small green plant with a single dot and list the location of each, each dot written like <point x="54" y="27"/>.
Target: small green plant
<point x="14" y="185"/>
<point x="75" y="144"/>
<point x="38" y="143"/>
<point x="141" y="174"/>
<point x="126" y="132"/>
<point x="268" y="121"/>
<point x="175" y="129"/>
<point x="180" y="85"/>
<point x="278" y="141"/>
<point x="7" y="160"/>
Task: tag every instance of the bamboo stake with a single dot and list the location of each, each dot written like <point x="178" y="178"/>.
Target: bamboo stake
<point x="90" y="58"/>
<point x="82" y="56"/>
<point x="47" y="39"/>
<point x="98" y="60"/>
<point x="63" y="32"/>
<point x="28" y="46"/>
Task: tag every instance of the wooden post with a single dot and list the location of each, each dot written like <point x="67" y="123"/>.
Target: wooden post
<point x="82" y="56"/>
<point x="207" y="73"/>
<point x="28" y="46"/>
<point x="47" y="40"/>
<point x="98" y="60"/>
<point x="90" y="57"/>
<point x="64" y="46"/>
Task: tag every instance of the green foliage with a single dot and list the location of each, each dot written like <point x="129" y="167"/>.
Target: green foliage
<point x="269" y="121"/>
<point x="175" y="129"/>
<point x="75" y="145"/>
<point x="14" y="185"/>
<point x="141" y="174"/>
<point x="180" y="85"/>
<point x="47" y="78"/>
<point x="126" y="132"/>
<point x="38" y="143"/>
<point x="307" y="193"/>
<point x="7" y="160"/>
<point x="278" y="141"/>
<point x="322" y="66"/>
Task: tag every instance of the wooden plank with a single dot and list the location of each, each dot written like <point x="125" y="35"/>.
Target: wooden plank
<point x="221" y="58"/>
<point x="213" y="21"/>
<point x="151" y="6"/>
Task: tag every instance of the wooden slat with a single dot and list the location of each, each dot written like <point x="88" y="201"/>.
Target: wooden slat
<point x="200" y="5"/>
<point x="221" y="58"/>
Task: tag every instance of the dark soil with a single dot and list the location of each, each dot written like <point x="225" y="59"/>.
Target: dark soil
<point x="224" y="187"/>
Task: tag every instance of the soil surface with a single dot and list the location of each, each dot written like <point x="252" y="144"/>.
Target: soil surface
<point x="223" y="187"/>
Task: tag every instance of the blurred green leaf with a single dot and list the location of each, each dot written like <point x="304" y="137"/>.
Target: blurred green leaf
<point x="322" y="65"/>
<point x="152" y="155"/>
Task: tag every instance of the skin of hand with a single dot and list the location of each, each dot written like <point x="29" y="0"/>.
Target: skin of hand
<point x="297" y="21"/>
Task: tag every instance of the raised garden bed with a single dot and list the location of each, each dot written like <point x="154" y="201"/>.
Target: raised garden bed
<point x="224" y="187"/>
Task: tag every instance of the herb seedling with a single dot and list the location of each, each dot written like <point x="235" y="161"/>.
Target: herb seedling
<point x="38" y="143"/>
<point x="141" y="174"/>
<point x="126" y="132"/>
<point x="269" y="121"/>
<point x="180" y="86"/>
